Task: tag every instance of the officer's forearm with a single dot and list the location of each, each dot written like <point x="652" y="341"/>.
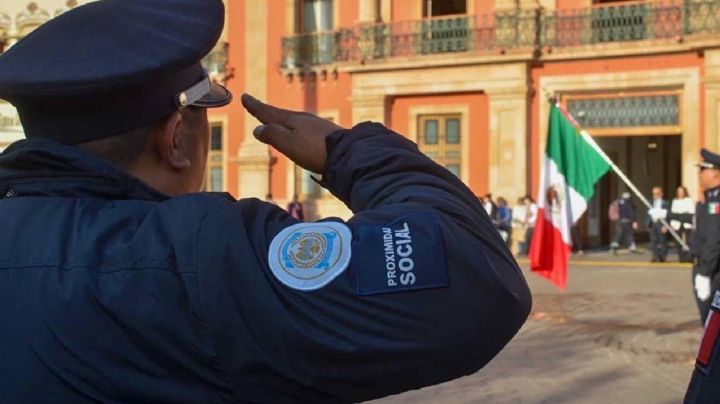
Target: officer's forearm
<point x="370" y="166"/>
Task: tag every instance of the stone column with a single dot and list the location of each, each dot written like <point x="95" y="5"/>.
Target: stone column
<point x="505" y="4"/>
<point x="368" y="108"/>
<point x="508" y="113"/>
<point x="386" y="10"/>
<point x="290" y="17"/>
<point x="253" y="156"/>
<point x="368" y="10"/>
<point x="712" y="100"/>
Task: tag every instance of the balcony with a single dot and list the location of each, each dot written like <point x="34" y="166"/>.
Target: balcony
<point x="505" y="32"/>
<point x="509" y="30"/>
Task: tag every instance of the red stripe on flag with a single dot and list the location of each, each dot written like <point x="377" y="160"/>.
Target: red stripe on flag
<point x="548" y="252"/>
<point x="709" y="339"/>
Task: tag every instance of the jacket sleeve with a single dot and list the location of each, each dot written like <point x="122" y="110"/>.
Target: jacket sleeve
<point x="710" y="247"/>
<point x="365" y="334"/>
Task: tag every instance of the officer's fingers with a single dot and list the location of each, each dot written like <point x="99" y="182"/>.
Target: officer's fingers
<point x="308" y="152"/>
<point x="263" y="112"/>
<point x="273" y="134"/>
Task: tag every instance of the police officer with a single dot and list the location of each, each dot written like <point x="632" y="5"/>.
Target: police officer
<point x="706" y="245"/>
<point x="119" y="282"/>
<point x="705" y="382"/>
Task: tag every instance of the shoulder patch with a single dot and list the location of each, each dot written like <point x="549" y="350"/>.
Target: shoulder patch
<point x="405" y="254"/>
<point x="308" y="256"/>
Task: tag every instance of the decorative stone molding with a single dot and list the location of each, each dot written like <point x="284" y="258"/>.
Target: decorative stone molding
<point x="10" y="127"/>
<point x="9" y="118"/>
<point x="34" y="16"/>
<point x="69" y="5"/>
<point x="5" y="24"/>
<point x="685" y="79"/>
<point x="216" y="64"/>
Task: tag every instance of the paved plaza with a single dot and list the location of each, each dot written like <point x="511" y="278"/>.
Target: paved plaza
<point x="625" y="331"/>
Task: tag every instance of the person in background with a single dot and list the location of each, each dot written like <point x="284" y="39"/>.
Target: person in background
<point x="576" y="240"/>
<point x="626" y="224"/>
<point x="490" y="206"/>
<point x="519" y="227"/>
<point x="531" y="215"/>
<point x="295" y="209"/>
<point x="658" y="244"/>
<point x="504" y="219"/>
<point x="682" y="212"/>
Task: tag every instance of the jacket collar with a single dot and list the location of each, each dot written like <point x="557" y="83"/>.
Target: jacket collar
<point x="712" y="192"/>
<point x="40" y="167"/>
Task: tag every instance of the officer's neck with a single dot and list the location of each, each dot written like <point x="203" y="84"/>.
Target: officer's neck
<point x="163" y="179"/>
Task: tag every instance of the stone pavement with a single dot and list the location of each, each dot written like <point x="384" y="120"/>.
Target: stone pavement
<point x="624" y="331"/>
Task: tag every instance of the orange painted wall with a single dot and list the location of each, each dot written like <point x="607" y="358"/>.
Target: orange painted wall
<point x="403" y="10"/>
<point x="479" y="128"/>
<point x="572" y="4"/>
<point x="349" y="13"/>
<point x="654" y="62"/>
<point x="484" y="6"/>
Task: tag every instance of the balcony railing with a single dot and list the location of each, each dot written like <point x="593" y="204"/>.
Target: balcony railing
<point x="423" y="37"/>
<point x="505" y="31"/>
<point x="621" y="23"/>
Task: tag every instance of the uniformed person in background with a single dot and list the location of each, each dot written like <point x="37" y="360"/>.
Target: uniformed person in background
<point x="119" y="282"/>
<point x="706" y="244"/>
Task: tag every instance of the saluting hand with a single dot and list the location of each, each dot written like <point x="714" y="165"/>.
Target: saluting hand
<point x="298" y="135"/>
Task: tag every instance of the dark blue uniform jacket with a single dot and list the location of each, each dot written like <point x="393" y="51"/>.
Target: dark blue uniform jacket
<point x="111" y="291"/>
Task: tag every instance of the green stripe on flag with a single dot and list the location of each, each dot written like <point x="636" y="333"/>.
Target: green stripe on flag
<point x="575" y="159"/>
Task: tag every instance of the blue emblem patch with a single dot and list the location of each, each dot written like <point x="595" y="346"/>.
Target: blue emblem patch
<point x="308" y="256"/>
<point x="407" y="254"/>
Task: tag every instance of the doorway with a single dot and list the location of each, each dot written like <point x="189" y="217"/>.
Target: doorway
<point x="648" y="161"/>
<point x="438" y="8"/>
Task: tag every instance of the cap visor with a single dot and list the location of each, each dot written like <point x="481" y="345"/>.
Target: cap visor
<point x="218" y="96"/>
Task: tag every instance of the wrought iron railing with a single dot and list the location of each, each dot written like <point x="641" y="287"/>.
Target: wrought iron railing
<point x="506" y="30"/>
<point x="613" y="23"/>
<point x="701" y="17"/>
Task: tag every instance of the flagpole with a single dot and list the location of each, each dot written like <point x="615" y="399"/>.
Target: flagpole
<point x="586" y="136"/>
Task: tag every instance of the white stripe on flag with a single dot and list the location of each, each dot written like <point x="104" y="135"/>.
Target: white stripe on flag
<point x="572" y="205"/>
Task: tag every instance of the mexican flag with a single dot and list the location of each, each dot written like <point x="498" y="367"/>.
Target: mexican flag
<point x="570" y="170"/>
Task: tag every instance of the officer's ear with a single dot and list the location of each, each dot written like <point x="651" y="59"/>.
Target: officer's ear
<point x="169" y="142"/>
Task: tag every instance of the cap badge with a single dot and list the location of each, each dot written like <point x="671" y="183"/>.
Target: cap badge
<point x="182" y="100"/>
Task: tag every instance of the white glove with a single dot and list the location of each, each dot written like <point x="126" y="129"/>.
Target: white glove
<point x="702" y="287"/>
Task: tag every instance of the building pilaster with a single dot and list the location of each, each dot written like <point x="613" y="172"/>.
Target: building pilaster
<point x="507" y="176"/>
<point x="712" y="99"/>
<point x="368" y="108"/>
<point x="253" y="156"/>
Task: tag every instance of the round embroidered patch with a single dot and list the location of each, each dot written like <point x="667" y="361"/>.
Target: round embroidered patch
<point x="308" y="256"/>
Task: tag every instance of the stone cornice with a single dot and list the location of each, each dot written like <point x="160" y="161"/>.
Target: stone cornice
<point x="30" y="18"/>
